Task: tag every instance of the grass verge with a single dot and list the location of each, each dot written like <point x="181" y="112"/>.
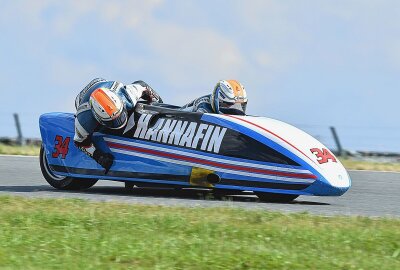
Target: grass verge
<point x="368" y="165"/>
<point x="27" y="150"/>
<point x="76" y="234"/>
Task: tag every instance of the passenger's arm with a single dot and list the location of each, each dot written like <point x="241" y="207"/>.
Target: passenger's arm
<point x="140" y="89"/>
<point x="83" y="140"/>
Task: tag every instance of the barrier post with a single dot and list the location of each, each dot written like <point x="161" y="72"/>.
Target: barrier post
<point x="337" y="141"/>
<point x="20" y="139"/>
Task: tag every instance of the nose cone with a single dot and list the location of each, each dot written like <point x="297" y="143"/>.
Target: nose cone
<point x="336" y="185"/>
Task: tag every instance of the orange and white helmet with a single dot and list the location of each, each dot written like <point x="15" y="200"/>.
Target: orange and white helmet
<point x="108" y="108"/>
<point x="229" y="96"/>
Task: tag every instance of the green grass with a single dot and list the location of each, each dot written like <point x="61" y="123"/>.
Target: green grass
<point x="27" y="150"/>
<point x="368" y="165"/>
<point x="76" y="234"/>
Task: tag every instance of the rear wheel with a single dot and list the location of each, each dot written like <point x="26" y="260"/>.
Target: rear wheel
<point x="275" y="197"/>
<point x="62" y="182"/>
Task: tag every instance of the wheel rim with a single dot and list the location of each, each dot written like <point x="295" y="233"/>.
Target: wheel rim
<point x="49" y="171"/>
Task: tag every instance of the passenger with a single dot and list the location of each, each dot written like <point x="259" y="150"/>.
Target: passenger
<point x="228" y="97"/>
<point x="106" y="103"/>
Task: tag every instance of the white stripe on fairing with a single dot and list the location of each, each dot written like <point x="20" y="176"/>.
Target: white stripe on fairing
<point x="259" y="129"/>
<point x="276" y="138"/>
<point x="257" y="166"/>
<point x="186" y="163"/>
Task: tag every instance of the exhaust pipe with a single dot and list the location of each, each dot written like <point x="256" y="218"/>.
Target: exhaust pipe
<point x="213" y="178"/>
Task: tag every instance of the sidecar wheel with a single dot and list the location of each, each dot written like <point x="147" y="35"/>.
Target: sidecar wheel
<point x="275" y="197"/>
<point x="62" y="182"/>
<point x="129" y="185"/>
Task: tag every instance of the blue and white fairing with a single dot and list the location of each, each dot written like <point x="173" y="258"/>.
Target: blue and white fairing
<point x="166" y="146"/>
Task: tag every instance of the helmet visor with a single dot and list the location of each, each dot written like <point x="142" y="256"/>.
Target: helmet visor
<point x="233" y="108"/>
<point x="117" y="122"/>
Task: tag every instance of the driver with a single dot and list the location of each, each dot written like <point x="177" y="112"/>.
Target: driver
<point x="106" y="103"/>
<point x="228" y="96"/>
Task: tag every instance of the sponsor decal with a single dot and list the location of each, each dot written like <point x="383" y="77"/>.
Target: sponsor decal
<point x="61" y="147"/>
<point x="182" y="133"/>
<point x="323" y="155"/>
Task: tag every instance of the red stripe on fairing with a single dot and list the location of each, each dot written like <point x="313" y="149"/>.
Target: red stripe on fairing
<point x="211" y="163"/>
<point x="272" y="133"/>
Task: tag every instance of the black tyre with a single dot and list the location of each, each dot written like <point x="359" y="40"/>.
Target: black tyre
<point x="133" y="184"/>
<point x="62" y="182"/>
<point x="129" y="185"/>
<point x="276" y="197"/>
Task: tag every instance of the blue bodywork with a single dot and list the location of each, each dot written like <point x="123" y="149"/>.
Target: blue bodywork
<point x="157" y="170"/>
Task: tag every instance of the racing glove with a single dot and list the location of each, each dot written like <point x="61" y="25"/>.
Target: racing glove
<point x="148" y="93"/>
<point x="151" y="96"/>
<point x="105" y="160"/>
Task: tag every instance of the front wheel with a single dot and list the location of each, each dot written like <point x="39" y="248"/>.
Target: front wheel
<point x="275" y="197"/>
<point x="62" y="182"/>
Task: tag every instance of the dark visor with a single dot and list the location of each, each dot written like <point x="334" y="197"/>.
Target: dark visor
<point x="239" y="106"/>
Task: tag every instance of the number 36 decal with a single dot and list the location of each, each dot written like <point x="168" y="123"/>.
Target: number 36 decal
<point x="61" y="147"/>
<point x="323" y="155"/>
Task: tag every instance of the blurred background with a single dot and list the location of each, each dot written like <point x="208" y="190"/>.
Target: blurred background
<point x="314" y="64"/>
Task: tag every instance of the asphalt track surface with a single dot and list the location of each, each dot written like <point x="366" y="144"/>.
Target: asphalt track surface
<point x="374" y="194"/>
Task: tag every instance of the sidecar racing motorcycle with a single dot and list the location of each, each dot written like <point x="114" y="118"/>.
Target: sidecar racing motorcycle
<point x="164" y="146"/>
